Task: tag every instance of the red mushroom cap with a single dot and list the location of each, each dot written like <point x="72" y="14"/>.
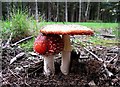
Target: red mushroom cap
<point x="40" y="45"/>
<point x="48" y="44"/>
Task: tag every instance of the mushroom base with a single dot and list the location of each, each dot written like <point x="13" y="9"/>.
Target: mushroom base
<point x="49" y="67"/>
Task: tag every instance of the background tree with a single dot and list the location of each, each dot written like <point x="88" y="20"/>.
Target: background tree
<point x="0" y="10"/>
<point x="87" y="11"/>
<point x="98" y="11"/>
<point x="36" y="10"/>
<point x="57" y="13"/>
<point x="79" y="10"/>
<point x="67" y="11"/>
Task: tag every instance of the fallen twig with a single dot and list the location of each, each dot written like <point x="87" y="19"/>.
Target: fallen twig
<point x="17" y="57"/>
<point x="108" y="36"/>
<point x="36" y="69"/>
<point x="107" y="71"/>
<point x="33" y="54"/>
<point x="20" y="41"/>
<point x="108" y="62"/>
<point x="14" y="74"/>
<point x="104" y="62"/>
<point x="99" y="59"/>
<point x="116" y="43"/>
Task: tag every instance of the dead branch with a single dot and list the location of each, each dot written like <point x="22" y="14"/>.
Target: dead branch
<point x="18" y="56"/>
<point x="116" y="43"/>
<point x="20" y="41"/>
<point x="99" y="59"/>
<point x="107" y="71"/>
<point x="104" y="62"/>
<point x="33" y="54"/>
<point x="115" y="57"/>
<point x="15" y="75"/>
<point x="39" y="67"/>
<point x="108" y="36"/>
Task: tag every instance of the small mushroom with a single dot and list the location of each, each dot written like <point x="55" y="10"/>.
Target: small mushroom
<point x="48" y="45"/>
<point x="65" y="31"/>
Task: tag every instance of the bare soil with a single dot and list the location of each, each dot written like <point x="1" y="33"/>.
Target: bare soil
<point x="85" y="69"/>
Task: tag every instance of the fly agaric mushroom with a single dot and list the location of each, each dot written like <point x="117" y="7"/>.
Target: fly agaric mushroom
<point x="65" y="31"/>
<point x="48" y="45"/>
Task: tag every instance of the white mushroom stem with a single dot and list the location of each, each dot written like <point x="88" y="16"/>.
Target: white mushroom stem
<point x="49" y="67"/>
<point x="66" y="53"/>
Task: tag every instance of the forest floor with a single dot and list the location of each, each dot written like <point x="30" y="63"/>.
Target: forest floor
<point x="96" y="65"/>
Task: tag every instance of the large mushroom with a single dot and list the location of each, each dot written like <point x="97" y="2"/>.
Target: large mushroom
<point x="48" y="45"/>
<point x="65" y="31"/>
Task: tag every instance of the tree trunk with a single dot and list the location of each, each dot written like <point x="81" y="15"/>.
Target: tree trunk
<point x="49" y="11"/>
<point x="73" y="13"/>
<point x="57" y="16"/>
<point x="8" y="9"/>
<point x="83" y="8"/>
<point x="79" y="10"/>
<point x="87" y="10"/>
<point x="32" y="8"/>
<point x="0" y="10"/>
<point x="98" y="11"/>
<point x="66" y="11"/>
<point x="36" y="11"/>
